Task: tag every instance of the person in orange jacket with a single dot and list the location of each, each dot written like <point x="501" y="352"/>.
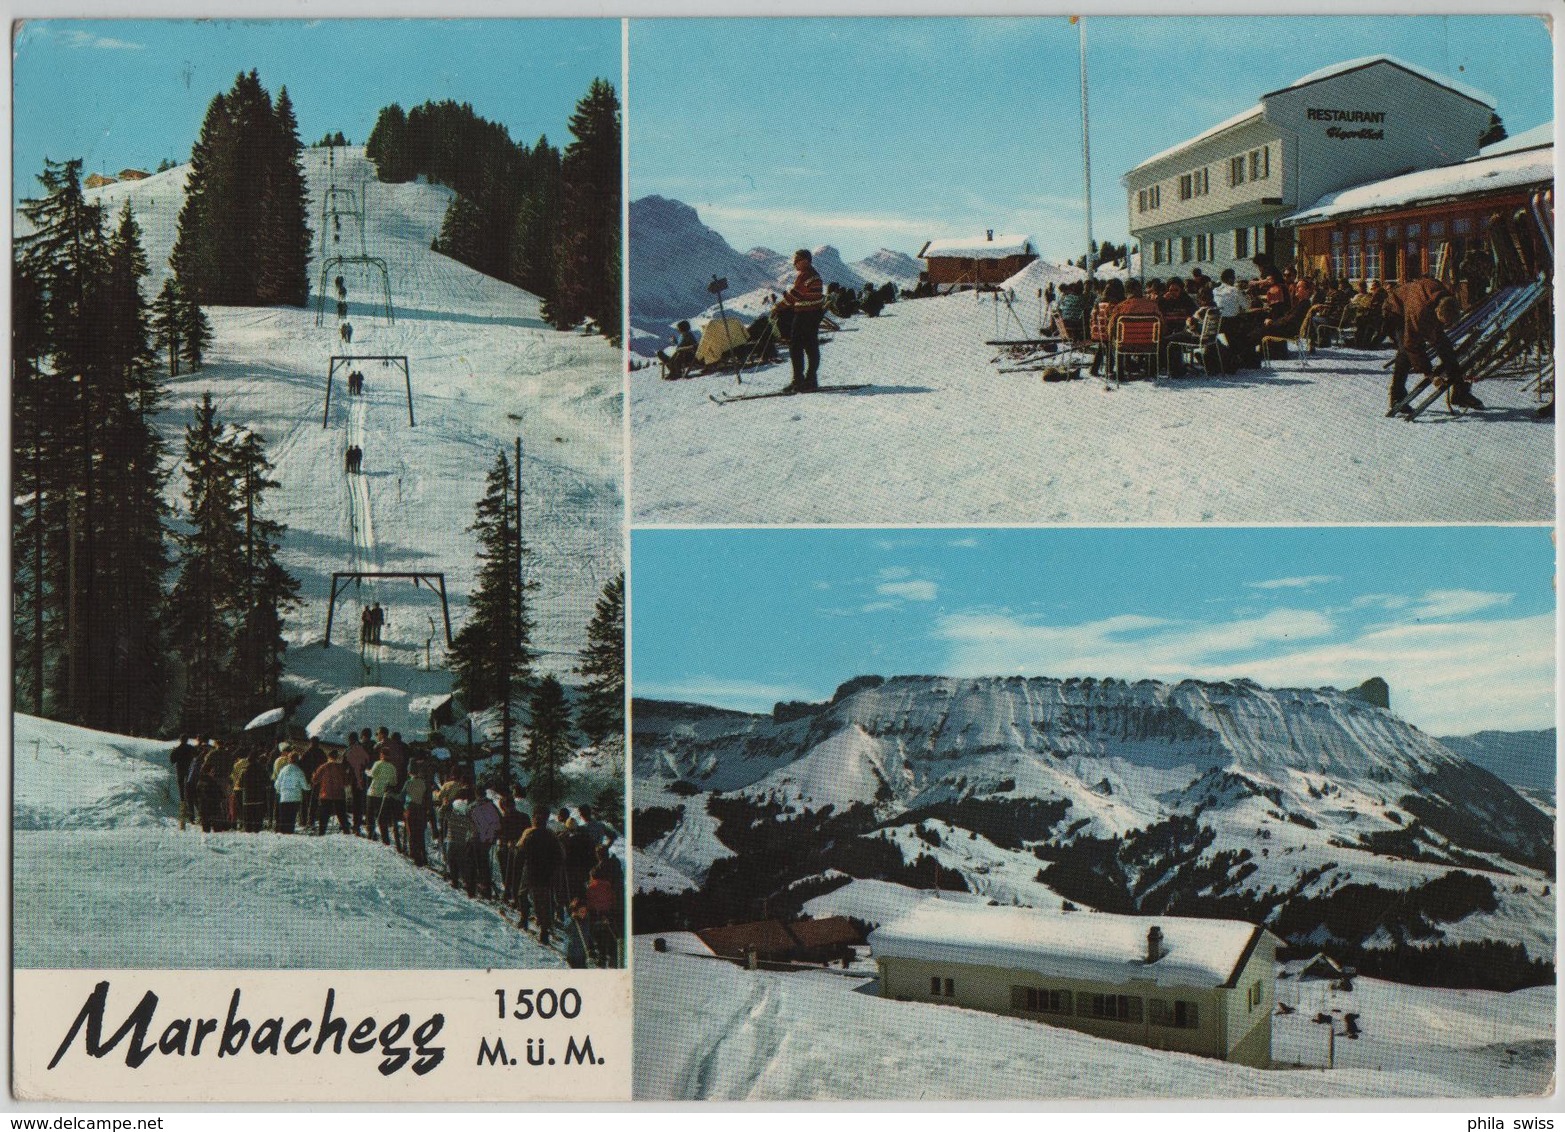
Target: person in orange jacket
<point x="806" y="302"/>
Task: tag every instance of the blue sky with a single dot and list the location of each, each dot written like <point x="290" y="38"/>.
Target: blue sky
<point x="1459" y="620"/>
<point x="869" y="133"/>
<point x="128" y="93"/>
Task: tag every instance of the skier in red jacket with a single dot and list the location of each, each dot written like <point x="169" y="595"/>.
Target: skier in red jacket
<point x="806" y="301"/>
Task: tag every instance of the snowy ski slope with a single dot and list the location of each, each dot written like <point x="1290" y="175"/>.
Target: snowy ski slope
<point x="941" y="437"/>
<point x="105" y="878"/>
<point x="485" y="369"/>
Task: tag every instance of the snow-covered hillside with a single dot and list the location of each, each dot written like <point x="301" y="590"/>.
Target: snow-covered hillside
<point x="708" y="1030"/>
<point x="103" y="875"/>
<point x="939" y="435"/>
<point x="1208" y="797"/>
<point x="1522" y="758"/>
<point x="105" y="878"/>
<point x="485" y="368"/>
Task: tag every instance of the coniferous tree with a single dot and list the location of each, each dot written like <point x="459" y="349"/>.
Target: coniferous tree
<point x="168" y="325"/>
<point x="532" y="266"/>
<point x="204" y="595"/>
<point x="243" y="234"/>
<point x="195" y="332"/>
<point x="267" y="590"/>
<point x="601" y="713"/>
<point x="387" y="147"/>
<point x="284" y="270"/>
<point x="89" y="536"/>
<point x="587" y="256"/>
<point x="492" y="654"/>
<point x="548" y="741"/>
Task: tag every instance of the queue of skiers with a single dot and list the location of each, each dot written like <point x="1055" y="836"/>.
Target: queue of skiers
<point x="556" y="871"/>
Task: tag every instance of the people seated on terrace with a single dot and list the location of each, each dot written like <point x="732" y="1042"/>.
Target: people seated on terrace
<point x="1102" y="314"/>
<point x="1071" y="305"/>
<point x="678" y="361"/>
<point x="1227" y="297"/>
<point x="1189" y="334"/>
<point x="1134" y="303"/>
<point x="1153" y="289"/>
<point x="1175" y="305"/>
<point x="1370" y="329"/>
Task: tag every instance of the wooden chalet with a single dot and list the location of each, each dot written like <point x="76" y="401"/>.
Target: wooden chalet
<point x="772" y="942"/>
<point x="985" y="262"/>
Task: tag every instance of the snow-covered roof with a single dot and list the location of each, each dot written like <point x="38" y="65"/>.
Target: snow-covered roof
<point x="1238" y="119"/>
<point x="978" y="248"/>
<point x="1343" y="68"/>
<point x="372" y="707"/>
<point x="1534" y="138"/>
<point x="1479" y="175"/>
<point x="1090" y="946"/>
<point x="1332" y="71"/>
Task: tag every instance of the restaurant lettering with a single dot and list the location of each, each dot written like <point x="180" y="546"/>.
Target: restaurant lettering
<point x="1318" y="114"/>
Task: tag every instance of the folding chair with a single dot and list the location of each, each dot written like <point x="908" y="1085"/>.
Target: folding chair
<point x="1301" y="338"/>
<point x="1138" y="336"/>
<point x="1194" y="353"/>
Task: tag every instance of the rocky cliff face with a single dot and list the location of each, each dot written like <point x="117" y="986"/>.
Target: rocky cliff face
<point x="1229" y="798"/>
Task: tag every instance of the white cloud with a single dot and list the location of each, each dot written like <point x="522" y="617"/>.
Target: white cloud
<point x="892" y="573"/>
<point x="967" y="542"/>
<point x="81" y="39"/>
<point x="740" y="695"/>
<point x="1435" y="604"/>
<point x="1451" y="677"/>
<point x="1302" y="582"/>
<point x="915" y="590"/>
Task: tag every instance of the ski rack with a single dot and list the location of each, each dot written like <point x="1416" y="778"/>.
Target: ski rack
<point x="329" y="266"/>
<point x="340" y="360"/>
<point x="341" y="579"/>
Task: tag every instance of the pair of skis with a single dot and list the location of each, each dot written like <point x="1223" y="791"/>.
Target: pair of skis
<point x="1418" y="400"/>
<point x="726" y="399"/>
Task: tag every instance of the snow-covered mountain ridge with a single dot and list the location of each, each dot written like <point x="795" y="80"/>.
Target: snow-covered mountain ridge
<point x="1140" y="796"/>
<point x="673" y="256"/>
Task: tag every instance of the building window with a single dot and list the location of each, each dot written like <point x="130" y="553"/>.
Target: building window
<point x="942" y="988"/>
<point x="1178" y="1015"/>
<point x="1241" y="243"/>
<point x="1149" y="200"/>
<point x="1113" y="1007"/>
<point x="1236" y="170"/>
<point x="1037" y="1000"/>
<point x="1187" y="186"/>
<point x="1252" y="997"/>
<point x="1260" y="163"/>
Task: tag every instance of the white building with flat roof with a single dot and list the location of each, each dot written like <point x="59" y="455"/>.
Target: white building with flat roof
<point x="1214" y="199"/>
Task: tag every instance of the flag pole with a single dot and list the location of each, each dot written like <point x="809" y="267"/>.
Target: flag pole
<point x="1086" y="153"/>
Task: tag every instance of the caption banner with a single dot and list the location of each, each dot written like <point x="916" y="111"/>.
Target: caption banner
<point x="311" y="1036"/>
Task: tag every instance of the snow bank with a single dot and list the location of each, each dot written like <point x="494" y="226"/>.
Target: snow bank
<point x="978" y="247"/>
<point x="1091" y="946"/>
<point x="374" y="708"/>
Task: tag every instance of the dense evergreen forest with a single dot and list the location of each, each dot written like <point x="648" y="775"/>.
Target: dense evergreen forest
<point x="244" y="239"/>
<point x="544" y="219"/>
<point x="126" y="615"/>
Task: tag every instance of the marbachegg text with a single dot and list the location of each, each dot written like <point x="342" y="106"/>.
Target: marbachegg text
<point x="236" y="1035"/>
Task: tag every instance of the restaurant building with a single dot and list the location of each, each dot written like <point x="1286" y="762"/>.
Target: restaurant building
<point x="1216" y="199"/>
<point x="1424" y="222"/>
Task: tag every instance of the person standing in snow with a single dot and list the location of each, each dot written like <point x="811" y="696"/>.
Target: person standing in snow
<point x="542" y="859"/>
<point x="805" y="302"/>
<point x="292" y="788"/>
<point x="485" y="817"/>
<point x="181" y="757"/>
<point x="415" y="806"/>
<point x="331" y="785"/>
<point x="380" y="785"/>
<point x="357" y="760"/>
